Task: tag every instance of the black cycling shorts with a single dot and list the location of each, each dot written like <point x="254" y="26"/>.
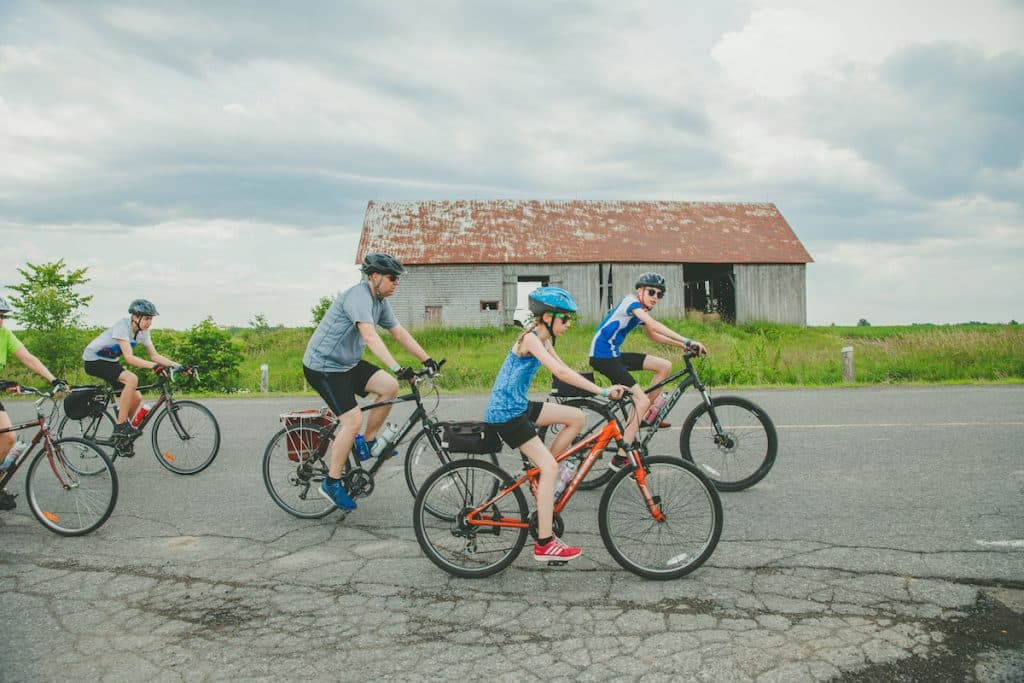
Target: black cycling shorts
<point x="339" y="389"/>
<point x="617" y="369"/>
<point x="519" y="430"/>
<point x="105" y="370"/>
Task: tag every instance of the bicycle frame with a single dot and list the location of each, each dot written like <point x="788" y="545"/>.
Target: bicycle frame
<point x="41" y="435"/>
<point x="595" y="444"/>
<point x="165" y="400"/>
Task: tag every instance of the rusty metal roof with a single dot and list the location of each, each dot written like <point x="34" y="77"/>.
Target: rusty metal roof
<point x="510" y="231"/>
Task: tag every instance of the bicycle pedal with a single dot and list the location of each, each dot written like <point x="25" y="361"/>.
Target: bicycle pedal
<point x="558" y="563"/>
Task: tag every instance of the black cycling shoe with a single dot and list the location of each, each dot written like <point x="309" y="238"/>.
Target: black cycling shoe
<point x="7" y="501"/>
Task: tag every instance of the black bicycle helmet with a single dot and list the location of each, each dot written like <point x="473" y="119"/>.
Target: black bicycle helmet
<point x="382" y="263"/>
<point x="142" y="307"/>
<point x="651" y="280"/>
<point x="4" y="305"/>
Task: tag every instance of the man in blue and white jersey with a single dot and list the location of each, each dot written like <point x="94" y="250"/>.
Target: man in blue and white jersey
<point x="607" y="358"/>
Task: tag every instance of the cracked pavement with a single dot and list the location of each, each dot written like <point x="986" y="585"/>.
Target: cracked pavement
<point x="886" y="544"/>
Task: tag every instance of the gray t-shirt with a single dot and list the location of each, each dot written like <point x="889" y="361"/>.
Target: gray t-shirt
<point x="336" y="345"/>
<point x="105" y="346"/>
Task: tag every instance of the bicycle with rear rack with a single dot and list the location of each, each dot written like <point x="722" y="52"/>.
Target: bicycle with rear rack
<point x="185" y="436"/>
<point x="660" y="517"/>
<point x="296" y="458"/>
<point x="730" y="438"/>
<point x="64" y="499"/>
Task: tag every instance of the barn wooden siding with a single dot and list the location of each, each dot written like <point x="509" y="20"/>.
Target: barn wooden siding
<point x="775" y="293"/>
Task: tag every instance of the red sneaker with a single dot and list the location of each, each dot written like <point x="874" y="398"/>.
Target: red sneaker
<point x="661" y="425"/>
<point x="555" y="550"/>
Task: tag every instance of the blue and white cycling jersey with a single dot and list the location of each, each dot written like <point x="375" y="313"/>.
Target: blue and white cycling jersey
<point x="612" y="331"/>
<point x="106" y="346"/>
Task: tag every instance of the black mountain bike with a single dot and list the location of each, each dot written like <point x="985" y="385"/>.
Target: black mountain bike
<point x="296" y="459"/>
<point x="185" y="437"/>
<point x="731" y="439"/>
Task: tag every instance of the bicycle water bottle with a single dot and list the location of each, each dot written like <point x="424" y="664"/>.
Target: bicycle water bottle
<point x="385" y="438"/>
<point x="17" y="449"/>
<point x="565" y="474"/>
<point x="143" y="409"/>
<point x="361" y="448"/>
<point x="656" y="406"/>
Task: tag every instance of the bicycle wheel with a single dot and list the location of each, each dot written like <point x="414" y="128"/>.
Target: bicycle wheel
<point x="187" y="441"/>
<point x="599" y="474"/>
<point x="65" y="501"/>
<point x="677" y="544"/>
<point x="292" y="473"/>
<point x="742" y="454"/>
<point x="422" y="460"/>
<point x="439" y="518"/>
<point x="98" y="428"/>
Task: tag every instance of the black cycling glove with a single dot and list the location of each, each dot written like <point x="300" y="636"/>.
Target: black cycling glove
<point x="405" y="373"/>
<point x="431" y="365"/>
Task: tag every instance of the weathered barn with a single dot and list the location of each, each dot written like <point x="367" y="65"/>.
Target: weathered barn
<point x="467" y="259"/>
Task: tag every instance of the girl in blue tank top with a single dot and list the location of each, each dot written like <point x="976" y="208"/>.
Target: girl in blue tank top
<point x="515" y="418"/>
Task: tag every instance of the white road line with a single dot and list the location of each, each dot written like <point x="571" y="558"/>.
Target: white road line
<point x="1002" y="544"/>
<point x="890" y="425"/>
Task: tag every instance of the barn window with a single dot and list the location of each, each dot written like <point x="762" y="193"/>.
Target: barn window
<point x="488" y="305"/>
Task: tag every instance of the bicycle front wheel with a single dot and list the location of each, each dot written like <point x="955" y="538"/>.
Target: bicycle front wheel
<point x="740" y="453"/>
<point x="676" y="542"/>
<point x="422" y="459"/>
<point x="599" y="474"/>
<point x="448" y="539"/>
<point x="95" y="428"/>
<point x="186" y="437"/>
<point x="64" y="500"/>
<point x="292" y="473"/>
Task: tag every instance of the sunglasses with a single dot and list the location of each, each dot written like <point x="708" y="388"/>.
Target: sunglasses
<point x="566" y="317"/>
<point x="3" y="316"/>
<point x="393" y="278"/>
<point x="656" y="293"/>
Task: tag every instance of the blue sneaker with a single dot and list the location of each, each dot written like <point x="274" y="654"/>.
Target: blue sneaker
<point x="337" y="494"/>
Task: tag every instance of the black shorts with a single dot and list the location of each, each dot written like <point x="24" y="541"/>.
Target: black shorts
<point x="617" y="369"/>
<point x="105" y="370"/>
<point x="339" y="389"/>
<point x="519" y="430"/>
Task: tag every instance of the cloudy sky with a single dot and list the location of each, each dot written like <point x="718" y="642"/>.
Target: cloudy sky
<point x="217" y="157"/>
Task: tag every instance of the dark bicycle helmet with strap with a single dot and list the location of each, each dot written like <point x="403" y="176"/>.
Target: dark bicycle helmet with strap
<point x="382" y="263"/>
<point x="4" y="305"/>
<point x="651" y="280"/>
<point x="142" y="307"/>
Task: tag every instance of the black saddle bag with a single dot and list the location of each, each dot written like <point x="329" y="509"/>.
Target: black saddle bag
<point x="469" y="437"/>
<point x="83" y="402"/>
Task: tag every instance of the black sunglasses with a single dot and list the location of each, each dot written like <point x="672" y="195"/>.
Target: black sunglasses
<point x="3" y="316"/>
<point x="393" y="278"/>
<point x="656" y="293"/>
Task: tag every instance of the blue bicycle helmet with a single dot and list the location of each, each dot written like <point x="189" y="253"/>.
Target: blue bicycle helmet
<point x="142" y="307"/>
<point x="651" y="280"/>
<point x="551" y="299"/>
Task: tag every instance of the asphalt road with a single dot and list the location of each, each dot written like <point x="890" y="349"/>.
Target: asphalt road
<point x="886" y="544"/>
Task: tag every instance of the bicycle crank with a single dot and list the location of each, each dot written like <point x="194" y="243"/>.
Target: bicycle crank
<point x="358" y="482"/>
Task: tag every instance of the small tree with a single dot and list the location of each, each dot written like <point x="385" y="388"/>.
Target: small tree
<point x="49" y="306"/>
<point x="320" y="310"/>
<point x="863" y="323"/>
<point x="217" y="356"/>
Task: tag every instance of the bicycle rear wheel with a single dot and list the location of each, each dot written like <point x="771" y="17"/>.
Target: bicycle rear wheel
<point x="422" y="459"/>
<point x="439" y="518"/>
<point x="292" y="473"/>
<point x="741" y="454"/>
<point x="186" y="437"/>
<point x="98" y="428"/>
<point x="665" y="549"/>
<point x="64" y="500"/>
<point x="599" y="474"/>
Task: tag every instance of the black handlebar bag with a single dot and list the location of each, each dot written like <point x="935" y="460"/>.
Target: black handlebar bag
<point x="469" y="437"/>
<point x="83" y="402"/>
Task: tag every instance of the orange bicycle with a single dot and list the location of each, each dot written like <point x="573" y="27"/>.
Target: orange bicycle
<point x="660" y="517"/>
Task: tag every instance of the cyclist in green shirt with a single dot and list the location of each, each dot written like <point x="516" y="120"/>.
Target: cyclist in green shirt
<point x="10" y="345"/>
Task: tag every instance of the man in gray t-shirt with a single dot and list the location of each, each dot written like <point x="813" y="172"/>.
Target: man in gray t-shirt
<point x="333" y="362"/>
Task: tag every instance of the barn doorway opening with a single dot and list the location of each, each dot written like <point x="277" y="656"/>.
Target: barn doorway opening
<point x="710" y="290"/>
<point x="524" y="285"/>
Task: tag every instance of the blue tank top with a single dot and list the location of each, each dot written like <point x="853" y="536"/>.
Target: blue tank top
<point x="508" y="396"/>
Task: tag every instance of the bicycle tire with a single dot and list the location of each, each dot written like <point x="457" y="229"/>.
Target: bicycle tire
<point x="65" y="501"/>
<point x="422" y="460"/>
<point x="745" y="453"/>
<point x="94" y="429"/>
<point x="670" y="548"/>
<point x="293" y="484"/>
<point x="195" y="452"/>
<point x="451" y="544"/>
<point x="599" y="474"/>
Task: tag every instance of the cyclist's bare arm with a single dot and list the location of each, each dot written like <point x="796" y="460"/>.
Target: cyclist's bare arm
<point x="663" y="334"/>
<point x="403" y="337"/>
<point x="33" y="364"/>
<point x="161" y="359"/>
<point x="368" y="332"/>
<point x="563" y="372"/>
